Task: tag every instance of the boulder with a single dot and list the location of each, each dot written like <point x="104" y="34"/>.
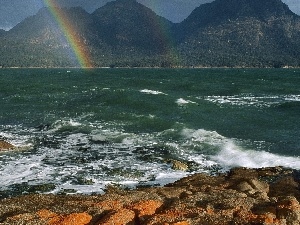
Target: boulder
<point x="268" y="196"/>
<point x="288" y="208"/>
<point x="177" y="165"/>
<point x="4" y="145"/>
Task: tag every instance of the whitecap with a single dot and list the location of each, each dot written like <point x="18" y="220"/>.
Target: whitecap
<point x="232" y="155"/>
<point x="251" y="100"/>
<point x="182" y="101"/>
<point x="152" y="92"/>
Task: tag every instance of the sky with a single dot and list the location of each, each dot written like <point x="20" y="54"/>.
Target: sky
<point x="14" y="11"/>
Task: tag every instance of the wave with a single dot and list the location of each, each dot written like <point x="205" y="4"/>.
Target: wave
<point x="152" y="92"/>
<point x="182" y="101"/>
<point x="84" y="161"/>
<point x="252" y="100"/>
<point x="232" y="155"/>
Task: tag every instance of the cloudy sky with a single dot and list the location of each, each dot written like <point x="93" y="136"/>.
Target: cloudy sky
<point x="14" y="11"/>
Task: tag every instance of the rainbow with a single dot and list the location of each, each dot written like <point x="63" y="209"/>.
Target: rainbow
<point x="73" y="38"/>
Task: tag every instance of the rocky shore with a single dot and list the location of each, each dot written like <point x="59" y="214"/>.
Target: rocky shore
<point x="241" y="196"/>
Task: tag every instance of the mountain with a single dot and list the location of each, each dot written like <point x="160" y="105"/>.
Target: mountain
<point x="2" y="32"/>
<point x="38" y="41"/>
<point x="133" y="31"/>
<point x="220" y="11"/>
<point x="128" y="23"/>
<point x="121" y="33"/>
<point x="241" y="33"/>
<point x="233" y="33"/>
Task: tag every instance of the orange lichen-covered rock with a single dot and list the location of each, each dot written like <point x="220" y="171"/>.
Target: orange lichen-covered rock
<point x="182" y="223"/>
<point x="146" y="208"/>
<point x="178" y="223"/>
<point x="268" y="196"/>
<point x="71" y="219"/>
<point x="120" y="217"/>
<point x="109" y="205"/>
<point x="75" y="219"/>
<point x="4" y="145"/>
<point x="289" y="208"/>
<point x="20" y="217"/>
<point x="46" y="214"/>
<point x="267" y="219"/>
<point x="50" y="217"/>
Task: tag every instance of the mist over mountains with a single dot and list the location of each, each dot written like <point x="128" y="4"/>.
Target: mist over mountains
<point x="125" y="33"/>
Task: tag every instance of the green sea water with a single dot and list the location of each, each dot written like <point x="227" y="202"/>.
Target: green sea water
<point x="79" y="130"/>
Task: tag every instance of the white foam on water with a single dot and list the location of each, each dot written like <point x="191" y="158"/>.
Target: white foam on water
<point x="251" y="100"/>
<point x="20" y="140"/>
<point x="292" y="98"/>
<point x="152" y="92"/>
<point x="21" y="169"/>
<point x="182" y="101"/>
<point x="229" y="153"/>
<point x="107" y="156"/>
<point x="232" y="155"/>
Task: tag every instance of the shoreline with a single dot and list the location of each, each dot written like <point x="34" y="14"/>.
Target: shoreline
<point x="154" y="67"/>
<point x="241" y="196"/>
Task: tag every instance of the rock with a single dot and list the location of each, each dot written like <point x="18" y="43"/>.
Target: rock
<point x="244" y="187"/>
<point x="259" y="186"/>
<point x="4" y="145"/>
<point x="71" y="219"/>
<point x="268" y="196"/>
<point x="146" y="208"/>
<point x="74" y="219"/>
<point x="254" y="188"/>
<point x="181" y="223"/>
<point x="177" y="165"/>
<point x="110" y="205"/>
<point x="120" y="217"/>
<point x="288" y="208"/>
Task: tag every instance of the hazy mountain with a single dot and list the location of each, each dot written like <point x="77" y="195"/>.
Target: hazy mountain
<point x="2" y="32"/>
<point x="129" y="26"/>
<point x="126" y="33"/>
<point x="39" y="41"/>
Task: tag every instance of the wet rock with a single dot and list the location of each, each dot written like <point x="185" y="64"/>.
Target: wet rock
<point x="4" y="145"/>
<point x="177" y="165"/>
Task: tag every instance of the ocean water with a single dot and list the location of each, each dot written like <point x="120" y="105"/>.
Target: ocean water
<point x="79" y="130"/>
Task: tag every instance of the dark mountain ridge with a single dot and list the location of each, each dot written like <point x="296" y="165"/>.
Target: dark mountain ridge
<point x="2" y="32"/>
<point x="241" y="32"/>
<point x="132" y="29"/>
<point x="221" y="11"/>
<point x="250" y="33"/>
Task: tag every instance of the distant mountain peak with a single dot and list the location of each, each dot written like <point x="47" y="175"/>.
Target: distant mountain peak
<point x="255" y="33"/>
<point x="2" y="32"/>
<point x="254" y="8"/>
<point x="224" y="10"/>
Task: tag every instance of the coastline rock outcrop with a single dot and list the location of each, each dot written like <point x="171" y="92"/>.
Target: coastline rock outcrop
<point x="4" y="145"/>
<point x="267" y="196"/>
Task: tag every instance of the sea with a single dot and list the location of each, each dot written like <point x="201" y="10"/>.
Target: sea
<point x="77" y="131"/>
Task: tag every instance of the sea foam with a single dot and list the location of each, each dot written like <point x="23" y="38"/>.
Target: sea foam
<point x="232" y="155"/>
<point x="152" y="92"/>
